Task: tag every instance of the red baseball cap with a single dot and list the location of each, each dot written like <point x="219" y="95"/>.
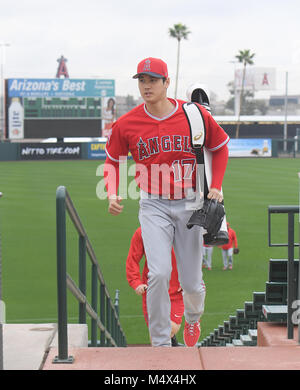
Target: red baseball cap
<point x="153" y="67"/>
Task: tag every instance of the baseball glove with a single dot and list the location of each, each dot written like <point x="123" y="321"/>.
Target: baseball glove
<point x="221" y="238"/>
<point x="210" y="217"/>
<point x="236" y="251"/>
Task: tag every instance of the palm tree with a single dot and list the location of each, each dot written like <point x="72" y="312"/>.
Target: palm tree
<point x="179" y="31"/>
<point x="246" y="58"/>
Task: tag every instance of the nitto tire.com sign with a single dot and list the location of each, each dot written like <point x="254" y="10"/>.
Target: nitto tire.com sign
<point x="44" y="151"/>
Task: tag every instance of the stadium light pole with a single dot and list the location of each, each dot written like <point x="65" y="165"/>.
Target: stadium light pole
<point x="236" y="97"/>
<point x="3" y="45"/>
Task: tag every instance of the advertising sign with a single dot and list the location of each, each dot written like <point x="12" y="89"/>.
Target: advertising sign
<point x="60" y="87"/>
<point x="50" y="151"/>
<point x="250" y="147"/>
<point x="43" y="108"/>
<point x="258" y="79"/>
<point x="237" y="147"/>
<point x="96" y="150"/>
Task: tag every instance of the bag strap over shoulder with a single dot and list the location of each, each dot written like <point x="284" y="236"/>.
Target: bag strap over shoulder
<point x="197" y="131"/>
<point x="196" y="124"/>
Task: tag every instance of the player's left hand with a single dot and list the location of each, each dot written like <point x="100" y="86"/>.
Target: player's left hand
<point x="214" y="193"/>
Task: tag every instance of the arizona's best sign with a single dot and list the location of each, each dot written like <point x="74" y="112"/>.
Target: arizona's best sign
<point x="60" y="87"/>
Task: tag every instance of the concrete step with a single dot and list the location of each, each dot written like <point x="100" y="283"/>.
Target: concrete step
<point x="272" y="334"/>
<point x="237" y="343"/>
<point x="247" y="340"/>
<point x="161" y="358"/>
<point x="253" y="334"/>
<point x="25" y="346"/>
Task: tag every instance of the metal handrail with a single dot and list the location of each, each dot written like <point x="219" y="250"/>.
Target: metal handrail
<point x="111" y="333"/>
<point x="82" y="299"/>
<point x="291" y="279"/>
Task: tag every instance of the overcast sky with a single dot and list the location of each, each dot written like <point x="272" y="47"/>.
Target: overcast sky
<point x="106" y="39"/>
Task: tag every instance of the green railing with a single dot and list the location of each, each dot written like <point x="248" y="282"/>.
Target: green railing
<point x="111" y="333"/>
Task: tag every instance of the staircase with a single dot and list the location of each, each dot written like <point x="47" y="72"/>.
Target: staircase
<point x="268" y="306"/>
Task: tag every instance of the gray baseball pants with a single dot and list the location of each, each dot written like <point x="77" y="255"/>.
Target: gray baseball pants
<point x="163" y="224"/>
<point x="207" y="256"/>
<point x="227" y="255"/>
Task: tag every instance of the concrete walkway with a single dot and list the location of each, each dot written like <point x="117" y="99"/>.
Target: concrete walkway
<point x="25" y="346"/>
<point x="181" y="358"/>
<point x="34" y="347"/>
<point x="273" y="352"/>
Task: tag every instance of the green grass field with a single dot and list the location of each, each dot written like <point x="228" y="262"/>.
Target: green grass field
<point x="27" y="226"/>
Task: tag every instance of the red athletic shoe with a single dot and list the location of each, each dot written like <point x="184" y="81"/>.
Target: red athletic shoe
<point x="191" y="333"/>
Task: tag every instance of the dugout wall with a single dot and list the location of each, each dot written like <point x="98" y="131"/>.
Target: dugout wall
<point x="251" y="147"/>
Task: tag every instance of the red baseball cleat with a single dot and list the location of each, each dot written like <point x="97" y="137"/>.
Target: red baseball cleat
<point x="191" y="333"/>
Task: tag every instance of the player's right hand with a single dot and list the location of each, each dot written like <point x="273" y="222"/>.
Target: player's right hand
<point x="114" y="205"/>
<point x="214" y="193"/>
<point x="141" y="289"/>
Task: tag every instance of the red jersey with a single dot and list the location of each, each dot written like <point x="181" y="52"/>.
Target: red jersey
<point x="136" y="253"/>
<point x="165" y="162"/>
<point x="232" y="240"/>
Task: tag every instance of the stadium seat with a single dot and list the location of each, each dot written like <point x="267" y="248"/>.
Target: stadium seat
<point x="253" y="316"/>
<point x="211" y="342"/>
<point x="222" y="335"/>
<point x="275" y="313"/>
<point x="218" y="340"/>
<point x="276" y="293"/>
<point x="278" y="270"/>
<point x="258" y="300"/>
<point x="234" y="326"/>
<point x="229" y="333"/>
<point x="269" y="305"/>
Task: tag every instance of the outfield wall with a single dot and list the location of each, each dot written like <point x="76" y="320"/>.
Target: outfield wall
<point x="21" y="151"/>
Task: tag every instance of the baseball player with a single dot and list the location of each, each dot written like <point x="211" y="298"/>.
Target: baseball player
<point x="207" y="256"/>
<point x="158" y="136"/>
<point x="140" y="284"/>
<point x="229" y="249"/>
